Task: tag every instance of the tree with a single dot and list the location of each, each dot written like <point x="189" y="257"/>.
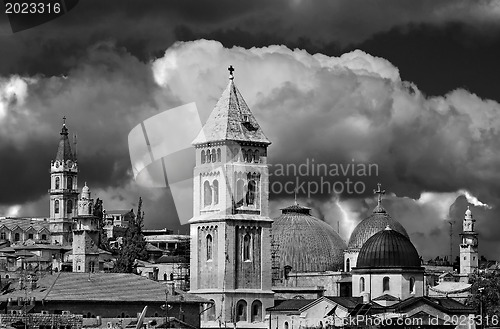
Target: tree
<point x="486" y="289"/>
<point x="98" y="211"/>
<point x="134" y="244"/>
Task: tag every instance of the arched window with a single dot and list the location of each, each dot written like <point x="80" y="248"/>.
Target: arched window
<point x="207" y="200"/>
<point x="214" y="155"/>
<point x="44" y="237"/>
<point x="239" y="192"/>
<point x="219" y="155"/>
<point x="69" y="209"/>
<point x="256" y="156"/>
<point x="250" y="197"/>
<point x="208" y="156"/>
<point x="58" y="182"/>
<point x="56" y="206"/>
<point x="361" y="284"/>
<point x="347" y="265"/>
<point x="246" y="247"/>
<point x="17" y="237"/>
<point x="164" y="276"/>
<point x="412" y="285"/>
<point x="285" y="326"/>
<point x="386" y="284"/>
<point x="171" y="276"/>
<point x="216" y="192"/>
<point x="211" y="311"/>
<point x="256" y="311"/>
<point x="70" y="183"/>
<point x="209" y="247"/>
<point x="241" y="310"/>
<point x="203" y="156"/>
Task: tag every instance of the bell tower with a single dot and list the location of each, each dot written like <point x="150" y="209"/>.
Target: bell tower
<point x="231" y="228"/>
<point x="63" y="190"/>
<point x="469" y="260"/>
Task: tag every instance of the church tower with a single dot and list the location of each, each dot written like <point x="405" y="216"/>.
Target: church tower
<point x="63" y="190"/>
<point x="231" y="228"/>
<point x="85" y="235"/>
<point x="469" y="259"/>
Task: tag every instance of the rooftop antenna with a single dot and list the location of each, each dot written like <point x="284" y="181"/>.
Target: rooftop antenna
<point x="451" y="242"/>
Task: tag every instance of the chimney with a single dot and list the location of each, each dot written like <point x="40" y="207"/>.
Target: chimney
<point x="19" y="301"/>
<point x="366" y="298"/>
<point x="170" y="289"/>
<point x="9" y="302"/>
<point x="32" y="301"/>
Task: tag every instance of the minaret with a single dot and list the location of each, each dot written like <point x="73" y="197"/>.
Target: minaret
<point x="85" y="235"/>
<point x="469" y="259"/>
<point x="231" y="228"/>
<point x="63" y="190"/>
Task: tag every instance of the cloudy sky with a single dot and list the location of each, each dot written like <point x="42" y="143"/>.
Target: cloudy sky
<point x="411" y="87"/>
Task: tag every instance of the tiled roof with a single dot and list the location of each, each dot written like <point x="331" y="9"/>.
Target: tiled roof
<point x="451" y="287"/>
<point x="152" y="248"/>
<point x="103" y="287"/>
<point x="167" y="259"/>
<point x="231" y="120"/>
<point x="291" y="305"/>
<point x="347" y="302"/>
<point x="444" y="304"/>
<point x="118" y="212"/>
<point x="387" y="297"/>
<point x="24" y="224"/>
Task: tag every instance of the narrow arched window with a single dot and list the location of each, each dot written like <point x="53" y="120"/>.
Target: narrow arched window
<point x="203" y="156"/>
<point x="214" y="155"/>
<point x="412" y="285"/>
<point x="171" y="276"/>
<point x="208" y="156"/>
<point x="56" y="206"/>
<point x="216" y="192"/>
<point x="256" y="156"/>
<point x="58" y="183"/>
<point x="239" y="192"/>
<point x="17" y="237"/>
<point x="285" y="326"/>
<point x="256" y="311"/>
<point x="347" y="265"/>
<point x="209" y="247"/>
<point x="211" y="311"/>
<point x="241" y="310"/>
<point x="246" y="247"/>
<point x="361" y="284"/>
<point x="207" y="191"/>
<point x="250" y="197"/>
<point x="69" y="209"/>
<point x="386" y="284"/>
<point x="70" y="183"/>
<point x="219" y="155"/>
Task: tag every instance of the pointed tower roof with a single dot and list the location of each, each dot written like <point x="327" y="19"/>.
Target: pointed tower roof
<point x="64" y="151"/>
<point x="231" y="119"/>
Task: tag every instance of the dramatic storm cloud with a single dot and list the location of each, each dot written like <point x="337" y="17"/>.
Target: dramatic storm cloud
<point x="346" y="113"/>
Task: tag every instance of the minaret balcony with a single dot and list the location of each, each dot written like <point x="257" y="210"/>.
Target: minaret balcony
<point x="63" y="191"/>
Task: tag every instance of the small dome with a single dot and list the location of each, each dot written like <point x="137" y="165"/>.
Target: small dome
<point x="85" y="188"/>
<point x="372" y="224"/>
<point x="306" y="243"/>
<point x="388" y="249"/>
<point x="468" y="212"/>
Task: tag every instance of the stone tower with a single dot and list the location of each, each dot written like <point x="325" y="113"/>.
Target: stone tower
<point x="85" y="235"/>
<point x="63" y="190"/>
<point x="231" y="228"/>
<point x="469" y="259"/>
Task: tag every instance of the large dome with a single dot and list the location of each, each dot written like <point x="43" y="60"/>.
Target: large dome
<point x="374" y="223"/>
<point x="388" y="249"/>
<point x="306" y="243"/>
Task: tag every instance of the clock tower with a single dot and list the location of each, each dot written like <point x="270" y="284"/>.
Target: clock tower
<point x="63" y="190"/>
<point x="469" y="259"/>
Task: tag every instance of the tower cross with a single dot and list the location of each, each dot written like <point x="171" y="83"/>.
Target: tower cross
<point x="231" y="70"/>
<point x="380" y="192"/>
<point x="64" y="120"/>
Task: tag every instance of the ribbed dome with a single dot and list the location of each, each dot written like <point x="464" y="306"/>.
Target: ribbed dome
<point x="372" y="224"/>
<point x="388" y="249"/>
<point x="306" y="243"/>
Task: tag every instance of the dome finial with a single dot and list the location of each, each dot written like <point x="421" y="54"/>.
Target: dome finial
<point x="468" y="212"/>
<point x="64" y="130"/>
<point x="231" y="70"/>
<point x="380" y="192"/>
